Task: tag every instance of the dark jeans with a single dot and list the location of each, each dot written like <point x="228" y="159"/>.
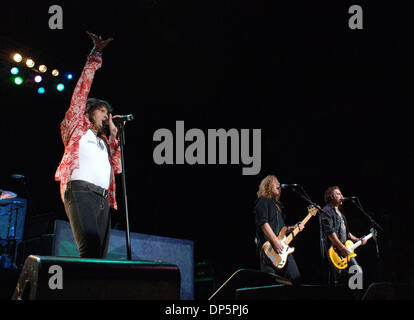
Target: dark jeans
<point x="290" y="271"/>
<point x="89" y="217"/>
<point x="340" y="278"/>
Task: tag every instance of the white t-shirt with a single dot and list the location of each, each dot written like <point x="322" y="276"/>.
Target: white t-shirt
<point x="94" y="166"/>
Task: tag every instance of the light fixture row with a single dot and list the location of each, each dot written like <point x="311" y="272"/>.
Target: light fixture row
<point x="37" y="77"/>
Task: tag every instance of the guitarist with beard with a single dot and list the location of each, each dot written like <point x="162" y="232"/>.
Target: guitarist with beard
<point x="335" y="233"/>
<point x="269" y="222"/>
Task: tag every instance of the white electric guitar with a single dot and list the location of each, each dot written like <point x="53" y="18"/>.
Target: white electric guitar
<point x="279" y="259"/>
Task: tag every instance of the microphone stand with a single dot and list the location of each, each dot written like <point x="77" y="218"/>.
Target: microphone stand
<point x="306" y="197"/>
<point x="374" y="224"/>
<point x="29" y="196"/>
<point x="31" y="206"/>
<point x="121" y="132"/>
<point x="31" y="209"/>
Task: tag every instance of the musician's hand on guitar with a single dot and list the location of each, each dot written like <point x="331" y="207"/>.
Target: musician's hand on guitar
<point x="344" y="251"/>
<point x="298" y="225"/>
<point x="277" y="246"/>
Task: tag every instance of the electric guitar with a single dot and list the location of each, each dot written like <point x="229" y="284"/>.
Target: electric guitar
<point x="279" y="259"/>
<point x="342" y="262"/>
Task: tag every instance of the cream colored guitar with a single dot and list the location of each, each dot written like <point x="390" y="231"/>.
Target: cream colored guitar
<point x="279" y="259"/>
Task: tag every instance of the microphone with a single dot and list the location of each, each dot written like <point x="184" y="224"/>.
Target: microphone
<point x="348" y="198"/>
<point x="120" y="119"/>
<point x="288" y="185"/>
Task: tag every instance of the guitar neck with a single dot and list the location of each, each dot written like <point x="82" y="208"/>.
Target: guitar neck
<point x="295" y="231"/>
<point x="358" y="243"/>
<point x="305" y="221"/>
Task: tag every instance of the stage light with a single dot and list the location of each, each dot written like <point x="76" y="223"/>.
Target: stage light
<point x="38" y="79"/>
<point x="60" y="87"/>
<point x="30" y="63"/>
<point x="14" y="71"/>
<point x="41" y="90"/>
<point x="55" y="72"/>
<point x="69" y="76"/>
<point x="42" y="68"/>
<point x="18" y="81"/>
<point x="17" y="57"/>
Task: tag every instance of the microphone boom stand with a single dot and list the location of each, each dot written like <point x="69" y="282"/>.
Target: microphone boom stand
<point x="373" y="222"/>
<point x="374" y="225"/>
<point x="306" y="197"/>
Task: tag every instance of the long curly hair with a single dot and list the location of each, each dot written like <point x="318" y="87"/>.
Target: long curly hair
<point x="265" y="188"/>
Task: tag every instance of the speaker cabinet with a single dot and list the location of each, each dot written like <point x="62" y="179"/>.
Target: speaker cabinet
<point x="65" y="278"/>
<point x="389" y="291"/>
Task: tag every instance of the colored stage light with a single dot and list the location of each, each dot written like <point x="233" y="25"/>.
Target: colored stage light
<point x="30" y="63"/>
<point x="38" y="79"/>
<point x="69" y="76"/>
<point x="60" y="87"/>
<point x="14" y="71"/>
<point x="17" y="57"/>
<point x="55" y="72"/>
<point x="18" y="80"/>
<point x="42" y="68"/>
<point x="41" y="90"/>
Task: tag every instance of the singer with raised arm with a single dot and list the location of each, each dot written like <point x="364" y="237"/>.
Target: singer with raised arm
<point x="335" y="234"/>
<point x="90" y="161"/>
<point x="269" y="222"/>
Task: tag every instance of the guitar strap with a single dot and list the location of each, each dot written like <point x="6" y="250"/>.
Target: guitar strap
<point x="338" y="217"/>
<point x="346" y="226"/>
<point x="281" y="208"/>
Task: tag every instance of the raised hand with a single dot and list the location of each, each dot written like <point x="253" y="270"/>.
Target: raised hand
<point x="98" y="43"/>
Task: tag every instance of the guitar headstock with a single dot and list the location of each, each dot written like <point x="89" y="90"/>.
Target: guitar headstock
<point x="374" y="233"/>
<point x="313" y="210"/>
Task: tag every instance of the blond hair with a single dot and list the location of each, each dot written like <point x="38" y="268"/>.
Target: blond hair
<point x="265" y="188"/>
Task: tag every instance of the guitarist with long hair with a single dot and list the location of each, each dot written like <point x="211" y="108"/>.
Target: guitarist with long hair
<point x="269" y="222"/>
<point x="336" y="233"/>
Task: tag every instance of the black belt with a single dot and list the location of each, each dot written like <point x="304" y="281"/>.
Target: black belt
<point x="101" y="191"/>
<point x="92" y="187"/>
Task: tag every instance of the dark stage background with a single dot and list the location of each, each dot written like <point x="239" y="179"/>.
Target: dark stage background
<point x="333" y="105"/>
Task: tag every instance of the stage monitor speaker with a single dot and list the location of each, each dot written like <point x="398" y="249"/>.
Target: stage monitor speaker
<point x="65" y="278"/>
<point x="179" y="252"/>
<point x="244" y="278"/>
<point x="302" y="292"/>
<point x="389" y="291"/>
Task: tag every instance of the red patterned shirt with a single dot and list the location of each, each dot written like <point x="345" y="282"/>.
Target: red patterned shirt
<point x="76" y="124"/>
